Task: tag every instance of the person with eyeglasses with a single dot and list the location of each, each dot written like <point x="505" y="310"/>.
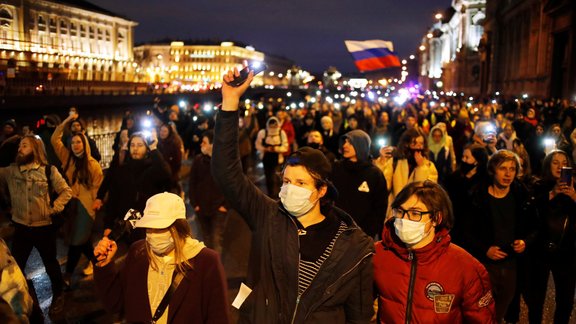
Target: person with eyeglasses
<point x="419" y="275"/>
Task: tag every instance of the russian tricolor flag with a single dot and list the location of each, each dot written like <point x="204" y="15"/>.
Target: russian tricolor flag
<point x="372" y="55"/>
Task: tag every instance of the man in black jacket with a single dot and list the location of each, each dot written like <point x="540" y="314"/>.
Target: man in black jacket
<point x="310" y="263"/>
<point x="206" y="198"/>
<point x="361" y="185"/>
<point x="500" y="226"/>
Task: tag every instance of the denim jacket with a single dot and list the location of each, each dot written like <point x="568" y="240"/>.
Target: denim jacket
<point x="29" y="196"/>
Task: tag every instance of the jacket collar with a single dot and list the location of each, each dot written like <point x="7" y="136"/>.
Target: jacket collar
<point x="29" y="166"/>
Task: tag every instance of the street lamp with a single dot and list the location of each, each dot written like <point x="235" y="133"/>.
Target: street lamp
<point x="422" y="48"/>
<point x="438" y="16"/>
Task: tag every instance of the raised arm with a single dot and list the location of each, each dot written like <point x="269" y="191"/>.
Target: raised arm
<point x="242" y="194"/>
<point x="56" y="141"/>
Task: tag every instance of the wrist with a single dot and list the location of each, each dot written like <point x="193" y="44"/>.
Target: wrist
<point x="230" y="104"/>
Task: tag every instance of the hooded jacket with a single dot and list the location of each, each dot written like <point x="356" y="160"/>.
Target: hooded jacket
<point x="272" y="138"/>
<point x="341" y="292"/>
<point x="438" y="283"/>
<point x="362" y="189"/>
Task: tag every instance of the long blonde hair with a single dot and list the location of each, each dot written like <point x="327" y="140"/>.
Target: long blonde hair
<point x="180" y="230"/>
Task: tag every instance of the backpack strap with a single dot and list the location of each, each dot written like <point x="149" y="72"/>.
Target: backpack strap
<point x="176" y="279"/>
<point x="48" y="172"/>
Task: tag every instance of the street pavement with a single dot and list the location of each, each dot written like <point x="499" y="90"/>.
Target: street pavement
<point x="82" y="305"/>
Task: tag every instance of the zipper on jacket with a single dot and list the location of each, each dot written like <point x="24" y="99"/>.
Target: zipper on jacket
<point x="297" y="276"/>
<point x="412" y="258"/>
<point x="345" y="273"/>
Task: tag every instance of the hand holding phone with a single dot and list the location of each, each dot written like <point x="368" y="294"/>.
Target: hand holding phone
<point x="566" y="175"/>
<point x="239" y="80"/>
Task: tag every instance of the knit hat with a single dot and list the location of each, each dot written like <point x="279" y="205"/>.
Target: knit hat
<point x="360" y="140"/>
<point x="162" y="210"/>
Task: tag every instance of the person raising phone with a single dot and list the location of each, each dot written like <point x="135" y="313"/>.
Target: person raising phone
<point x="554" y="248"/>
<point x="310" y="263"/>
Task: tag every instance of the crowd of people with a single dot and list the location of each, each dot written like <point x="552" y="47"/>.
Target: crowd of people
<point x="436" y="209"/>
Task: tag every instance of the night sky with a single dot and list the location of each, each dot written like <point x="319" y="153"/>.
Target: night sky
<point x="309" y="32"/>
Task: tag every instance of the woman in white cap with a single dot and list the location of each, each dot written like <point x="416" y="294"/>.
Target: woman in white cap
<point x="167" y="278"/>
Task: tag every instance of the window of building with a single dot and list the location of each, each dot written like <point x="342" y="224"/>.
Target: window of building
<point x="63" y="27"/>
<point x="107" y="35"/>
<point x="73" y="29"/>
<point x="5" y="18"/>
<point x="82" y="31"/>
<point x="53" y="28"/>
<point x="99" y="31"/>
<point x="41" y="24"/>
<point x="91" y="32"/>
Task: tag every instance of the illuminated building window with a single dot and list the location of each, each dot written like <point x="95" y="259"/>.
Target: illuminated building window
<point x="5" y="18"/>
<point x="41" y="24"/>
<point x="53" y="25"/>
<point x="63" y="27"/>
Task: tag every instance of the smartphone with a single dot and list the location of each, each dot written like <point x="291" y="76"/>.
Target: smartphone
<point x="239" y="80"/>
<point x="566" y="175"/>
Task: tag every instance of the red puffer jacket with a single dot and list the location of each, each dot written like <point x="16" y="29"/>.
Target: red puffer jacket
<point x="439" y="283"/>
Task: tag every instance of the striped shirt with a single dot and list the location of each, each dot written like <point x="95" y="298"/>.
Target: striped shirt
<point x="307" y="270"/>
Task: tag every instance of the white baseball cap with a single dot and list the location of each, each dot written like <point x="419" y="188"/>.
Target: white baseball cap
<point x="162" y="210"/>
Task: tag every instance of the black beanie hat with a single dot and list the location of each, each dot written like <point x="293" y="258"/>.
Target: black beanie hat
<point x="313" y="159"/>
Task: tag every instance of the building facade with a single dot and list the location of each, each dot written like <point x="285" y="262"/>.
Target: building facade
<point x="529" y="47"/>
<point x="449" y="52"/>
<point x="193" y="67"/>
<point x="64" y="40"/>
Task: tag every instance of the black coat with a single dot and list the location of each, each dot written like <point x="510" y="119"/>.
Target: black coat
<point x="131" y="184"/>
<point x="341" y="291"/>
<point x="557" y="221"/>
<point x="479" y="235"/>
<point x="204" y="192"/>
<point x="367" y="208"/>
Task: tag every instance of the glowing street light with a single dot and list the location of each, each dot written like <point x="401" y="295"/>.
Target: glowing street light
<point x="429" y="35"/>
<point x="412" y="57"/>
<point x="438" y="16"/>
<point x="422" y="48"/>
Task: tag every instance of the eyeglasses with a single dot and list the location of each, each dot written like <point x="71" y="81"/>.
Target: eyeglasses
<point x="413" y="214"/>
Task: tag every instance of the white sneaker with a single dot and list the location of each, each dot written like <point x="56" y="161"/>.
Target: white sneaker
<point x="89" y="270"/>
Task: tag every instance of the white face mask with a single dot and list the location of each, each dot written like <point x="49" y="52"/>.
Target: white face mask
<point x="160" y="243"/>
<point x="410" y="232"/>
<point x="296" y="199"/>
